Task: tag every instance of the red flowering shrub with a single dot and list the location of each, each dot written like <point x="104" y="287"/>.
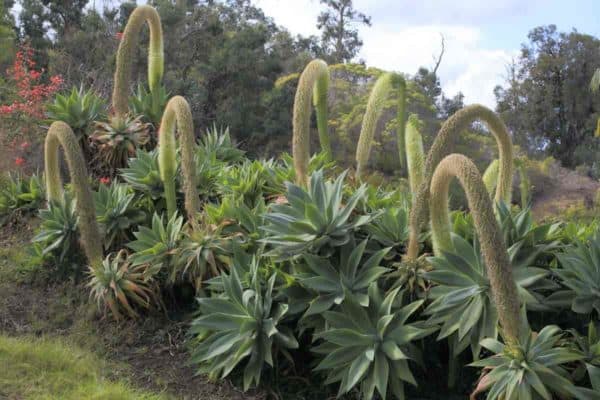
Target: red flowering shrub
<point x="30" y="92"/>
<point x="105" y="180"/>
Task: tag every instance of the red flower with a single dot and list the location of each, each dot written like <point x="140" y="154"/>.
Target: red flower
<point x="31" y="91"/>
<point x="24" y="145"/>
<point x="105" y="180"/>
<point x="119" y="35"/>
<point x="19" y="161"/>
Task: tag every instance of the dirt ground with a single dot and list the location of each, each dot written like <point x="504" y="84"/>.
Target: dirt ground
<point x="152" y="352"/>
<point x="569" y="188"/>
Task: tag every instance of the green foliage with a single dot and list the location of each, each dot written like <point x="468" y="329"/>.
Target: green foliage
<point x="118" y="139"/>
<point x="245" y="182"/>
<point x="279" y="173"/>
<point x="371" y="346"/>
<point x="390" y="229"/>
<point x="116" y="213"/>
<point x="536" y="370"/>
<point x="244" y="322"/>
<point x="589" y="346"/>
<point x="79" y="109"/>
<point x="158" y="247"/>
<point x="202" y="254"/>
<point x="462" y="300"/>
<point x="59" y="234"/>
<point x="313" y="220"/>
<point x="143" y="175"/>
<point x="580" y="272"/>
<point x="238" y="221"/>
<point x="120" y="287"/>
<point x="217" y="143"/>
<point x="19" y="194"/>
<point x="347" y="279"/>
<point x="149" y="105"/>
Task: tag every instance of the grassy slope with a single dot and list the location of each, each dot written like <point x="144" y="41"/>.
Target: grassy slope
<point x="33" y="368"/>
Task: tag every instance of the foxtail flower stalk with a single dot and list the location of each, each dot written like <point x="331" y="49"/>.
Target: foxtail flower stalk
<point x="415" y="156"/>
<point x="442" y="146"/>
<point x="497" y="262"/>
<point x="178" y="116"/>
<point x="380" y="92"/>
<point x="127" y="47"/>
<point x="313" y="85"/>
<point x="61" y="135"/>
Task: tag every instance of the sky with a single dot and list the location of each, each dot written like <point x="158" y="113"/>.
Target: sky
<point x="481" y="37"/>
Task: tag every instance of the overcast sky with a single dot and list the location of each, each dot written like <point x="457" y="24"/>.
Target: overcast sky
<point x="481" y="35"/>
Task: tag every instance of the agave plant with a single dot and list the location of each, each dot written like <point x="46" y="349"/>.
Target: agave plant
<point x="238" y="221"/>
<point x="244" y="182"/>
<point x="118" y="139"/>
<point x="149" y="105"/>
<point x="282" y="171"/>
<point x="536" y="371"/>
<point x="217" y="144"/>
<point x="20" y="194"/>
<point x="580" y="272"/>
<point x="209" y="173"/>
<point x="143" y="174"/>
<point x="202" y="255"/>
<point x="158" y="247"/>
<point x="313" y="220"/>
<point x="462" y="300"/>
<point x="79" y="109"/>
<point x="242" y="323"/>
<point x="116" y="213"/>
<point x="520" y="228"/>
<point x="58" y="229"/>
<point x="371" y="346"/>
<point x="390" y="229"/>
<point x="350" y="278"/>
<point x="589" y="347"/>
<point x="120" y="287"/>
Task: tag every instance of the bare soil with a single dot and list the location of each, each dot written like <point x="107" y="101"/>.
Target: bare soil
<point x="568" y="188"/>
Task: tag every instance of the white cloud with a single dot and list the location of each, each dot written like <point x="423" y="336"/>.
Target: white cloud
<point x="468" y="66"/>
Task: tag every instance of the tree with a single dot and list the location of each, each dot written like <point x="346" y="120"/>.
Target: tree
<point x="7" y="32"/>
<point x="546" y="102"/>
<point x="338" y="24"/>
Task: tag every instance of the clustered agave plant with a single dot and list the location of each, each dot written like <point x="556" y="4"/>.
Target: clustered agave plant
<point x="291" y="257"/>
<point x="120" y="286"/>
<point x="313" y="220"/>
<point x="118" y="139"/>
<point x="19" y="195"/>
<point x="245" y="323"/>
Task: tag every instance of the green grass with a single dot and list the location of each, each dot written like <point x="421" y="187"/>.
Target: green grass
<point x="41" y="369"/>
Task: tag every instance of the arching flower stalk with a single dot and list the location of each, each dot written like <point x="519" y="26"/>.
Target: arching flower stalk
<point x="415" y="156"/>
<point x="313" y="85"/>
<point x="504" y="289"/>
<point x="61" y="135"/>
<point x="127" y="47"/>
<point x="380" y="92"/>
<point x="490" y="177"/>
<point x="178" y="115"/>
<point x="442" y="146"/>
